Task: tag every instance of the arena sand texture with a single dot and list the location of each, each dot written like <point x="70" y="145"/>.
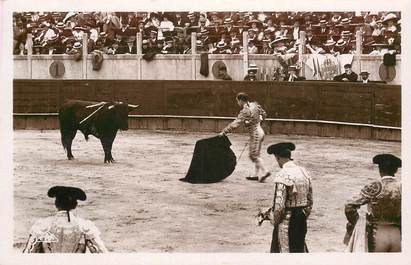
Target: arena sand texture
<point x="140" y="206"/>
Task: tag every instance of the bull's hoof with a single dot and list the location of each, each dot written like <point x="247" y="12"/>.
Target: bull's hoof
<point x="109" y="161"/>
<point x="70" y="158"/>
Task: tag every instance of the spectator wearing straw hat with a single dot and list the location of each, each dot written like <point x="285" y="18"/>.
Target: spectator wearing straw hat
<point x="329" y="46"/>
<point x="235" y="46"/>
<point x="293" y="74"/>
<point x="228" y="26"/>
<point x="251" y="73"/>
<point x="77" y="51"/>
<point x="389" y="23"/>
<point x="364" y="75"/>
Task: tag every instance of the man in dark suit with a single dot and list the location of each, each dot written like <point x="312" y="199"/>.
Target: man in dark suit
<point x="349" y="75"/>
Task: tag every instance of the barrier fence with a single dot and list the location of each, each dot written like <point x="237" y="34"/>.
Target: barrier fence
<point x="357" y="110"/>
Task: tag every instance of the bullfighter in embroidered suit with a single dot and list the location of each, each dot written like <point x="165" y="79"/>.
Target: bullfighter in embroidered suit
<point x="383" y="198"/>
<point x="64" y="232"/>
<point x="292" y="203"/>
<point x="251" y="116"/>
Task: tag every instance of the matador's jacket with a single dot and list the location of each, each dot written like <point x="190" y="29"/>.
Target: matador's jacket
<point x="292" y="205"/>
<point x="251" y="117"/>
<point x="383" y="199"/>
<point x="57" y="234"/>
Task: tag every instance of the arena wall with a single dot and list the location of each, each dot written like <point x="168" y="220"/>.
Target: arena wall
<point x="371" y="111"/>
<point x="172" y="67"/>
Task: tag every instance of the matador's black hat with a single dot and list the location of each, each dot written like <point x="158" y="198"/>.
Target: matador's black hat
<point x="281" y="149"/>
<point x="71" y="193"/>
<point x="387" y="160"/>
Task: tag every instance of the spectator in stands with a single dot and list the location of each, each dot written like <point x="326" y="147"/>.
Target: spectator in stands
<point x="292" y="74"/>
<point x="178" y="20"/>
<point x="295" y="31"/>
<point x="384" y="27"/>
<point x="252" y="73"/>
<point x="389" y="23"/>
<point x="252" y="47"/>
<point x="130" y="46"/>
<point x="114" y="49"/>
<point x="379" y="49"/>
<point x="222" y="73"/>
<point x="166" y="27"/>
<point x="348" y="75"/>
<point x="329" y="46"/>
<point x="76" y="52"/>
<point x="235" y="46"/>
<point x="364" y="77"/>
<point x="169" y="48"/>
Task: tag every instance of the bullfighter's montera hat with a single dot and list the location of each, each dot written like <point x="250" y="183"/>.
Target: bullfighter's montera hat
<point x="387" y="160"/>
<point x="281" y="149"/>
<point x="71" y="193"/>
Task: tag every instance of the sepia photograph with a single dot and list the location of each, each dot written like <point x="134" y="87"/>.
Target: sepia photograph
<point x="232" y="133"/>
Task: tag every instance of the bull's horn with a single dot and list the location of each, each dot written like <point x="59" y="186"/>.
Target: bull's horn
<point x="96" y="105"/>
<point x="111" y="106"/>
<point x="133" y="106"/>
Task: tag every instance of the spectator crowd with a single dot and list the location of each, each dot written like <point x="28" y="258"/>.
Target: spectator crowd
<point x="216" y="32"/>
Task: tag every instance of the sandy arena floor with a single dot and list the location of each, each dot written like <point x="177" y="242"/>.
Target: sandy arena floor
<point x="140" y="206"/>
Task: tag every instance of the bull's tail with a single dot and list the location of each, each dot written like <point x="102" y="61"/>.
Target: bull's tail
<point x="67" y="128"/>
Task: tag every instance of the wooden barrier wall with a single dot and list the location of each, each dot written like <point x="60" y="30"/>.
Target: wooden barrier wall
<point x="368" y="106"/>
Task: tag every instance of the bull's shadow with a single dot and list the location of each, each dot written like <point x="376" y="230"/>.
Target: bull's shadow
<point x="100" y="119"/>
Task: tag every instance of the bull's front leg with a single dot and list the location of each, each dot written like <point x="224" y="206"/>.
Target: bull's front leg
<point x="107" y="143"/>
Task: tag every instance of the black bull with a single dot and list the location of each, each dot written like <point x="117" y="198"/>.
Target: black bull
<point x="101" y="119"/>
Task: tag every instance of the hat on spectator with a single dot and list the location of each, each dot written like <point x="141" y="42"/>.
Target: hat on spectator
<point x="257" y="22"/>
<point x="53" y="40"/>
<point x="221" y="44"/>
<point x="323" y="22"/>
<point x="228" y="20"/>
<point x="389" y="17"/>
<point x="345" y="33"/>
<point x="77" y="45"/>
<point x="329" y="43"/>
<point x="235" y="41"/>
<point x="292" y="68"/>
<point x="60" y="25"/>
<point x="252" y="68"/>
<point x="199" y="43"/>
<point x="280" y="39"/>
<point x="364" y="73"/>
<point x="103" y="34"/>
<point x="347" y="65"/>
<point x="379" y="44"/>
<point x="341" y="42"/>
<point x="145" y="42"/>
<point x="79" y="28"/>
<point x="345" y="21"/>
